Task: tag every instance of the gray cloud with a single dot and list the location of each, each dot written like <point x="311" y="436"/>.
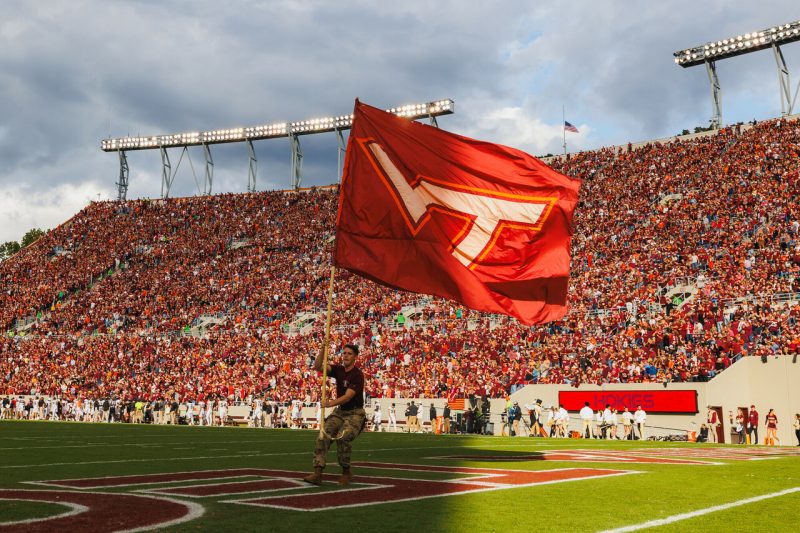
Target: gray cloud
<point x="73" y="72"/>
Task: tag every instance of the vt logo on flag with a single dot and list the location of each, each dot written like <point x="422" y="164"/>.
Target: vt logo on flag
<point x="433" y="212"/>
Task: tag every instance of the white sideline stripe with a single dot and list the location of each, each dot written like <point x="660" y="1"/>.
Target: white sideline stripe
<point x="701" y="512"/>
<point x="238" y="456"/>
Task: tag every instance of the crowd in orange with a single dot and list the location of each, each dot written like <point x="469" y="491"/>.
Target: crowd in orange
<point x="108" y="303"/>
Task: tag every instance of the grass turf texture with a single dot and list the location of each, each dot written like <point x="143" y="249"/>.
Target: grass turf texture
<point x="35" y="451"/>
<point x="13" y="510"/>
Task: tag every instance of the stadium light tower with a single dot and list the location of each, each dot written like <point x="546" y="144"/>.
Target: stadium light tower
<point x="290" y="130"/>
<point x="709" y="53"/>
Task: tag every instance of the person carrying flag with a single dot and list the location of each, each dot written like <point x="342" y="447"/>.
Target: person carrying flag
<point x="346" y="422"/>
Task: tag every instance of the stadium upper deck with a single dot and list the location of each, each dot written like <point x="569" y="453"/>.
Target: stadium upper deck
<point x="668" y="237"/>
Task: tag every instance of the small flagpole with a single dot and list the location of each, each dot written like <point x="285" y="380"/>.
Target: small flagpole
<point x="324" y="378"/>
<point x="564" y="129"/>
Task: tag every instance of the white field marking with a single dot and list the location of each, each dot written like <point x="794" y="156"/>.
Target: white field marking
<point x="487" y="487"/>
<point x="700" y="512"/>
<point x="237" y="478"/>
<point x="37" y="437"/>
<point x="195" y="511"/>
<point x="55" y="482"/>
<point x="74" y="509"/>
<point x="152" y="460"/>
<point x="100" y="445"/>
<point x="242" y="455"/>
<point x="725" y="453"/>
<point x="296" y="482"/>
<point x="254" y="472"/>
<point x="358" y="487"/>
<point x="588" y="456"/>
<point x="161" y="444"/>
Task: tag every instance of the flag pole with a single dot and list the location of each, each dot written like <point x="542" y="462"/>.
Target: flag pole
<point x="564" y="129"/>
<point x="325" y="349"/>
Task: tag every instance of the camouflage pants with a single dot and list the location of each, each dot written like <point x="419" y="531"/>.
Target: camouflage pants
<point x="348" y="424"/>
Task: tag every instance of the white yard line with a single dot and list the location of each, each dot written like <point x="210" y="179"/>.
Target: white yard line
<point x="700" y="512"/>
<point x="240" y="455"/>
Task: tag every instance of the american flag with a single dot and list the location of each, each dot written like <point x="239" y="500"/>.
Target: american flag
<point x="570" y="127"/>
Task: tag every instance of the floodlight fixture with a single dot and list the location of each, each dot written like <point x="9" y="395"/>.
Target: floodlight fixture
<point x="291" y="130"/>
<point x="267" y="131"/>
<point x="709" y="53"/>
<point x="738" y="45"/>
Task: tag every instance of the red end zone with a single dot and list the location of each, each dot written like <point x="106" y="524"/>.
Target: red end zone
<point x="365" y="490"/>
<point x="100" y="512"/>
<point x="392" y="489"/>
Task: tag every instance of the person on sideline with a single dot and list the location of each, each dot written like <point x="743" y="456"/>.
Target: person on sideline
<point x="771" y="421"/>
<point x="639" y="419"/>
<point x="752" y="425"/>
<point x="586" y="415"/>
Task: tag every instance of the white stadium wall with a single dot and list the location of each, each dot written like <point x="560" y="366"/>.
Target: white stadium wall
<point x="774" y="384"/>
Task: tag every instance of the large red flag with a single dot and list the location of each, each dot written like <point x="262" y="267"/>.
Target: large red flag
<point x="433" y="212"/>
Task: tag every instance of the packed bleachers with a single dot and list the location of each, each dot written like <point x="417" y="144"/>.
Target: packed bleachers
<point x="685" y="258"/>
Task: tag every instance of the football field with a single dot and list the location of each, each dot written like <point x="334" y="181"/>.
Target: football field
<point x="98" y="477"/>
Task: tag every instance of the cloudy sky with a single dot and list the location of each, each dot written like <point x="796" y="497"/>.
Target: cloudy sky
<point x="75" y="71"/>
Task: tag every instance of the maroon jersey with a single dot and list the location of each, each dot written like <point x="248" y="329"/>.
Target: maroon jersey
<point x="772" y="421"/>
<point x="753" y="418"/>
<point x="354" y="379"/>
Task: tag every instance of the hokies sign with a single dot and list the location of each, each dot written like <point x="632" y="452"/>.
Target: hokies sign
<point x="663" y="401"/>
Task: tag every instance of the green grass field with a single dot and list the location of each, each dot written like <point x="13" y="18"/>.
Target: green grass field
<point x="510" y="484"/>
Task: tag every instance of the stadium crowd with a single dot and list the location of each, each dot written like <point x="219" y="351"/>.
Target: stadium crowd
<point x="683" y="256"/>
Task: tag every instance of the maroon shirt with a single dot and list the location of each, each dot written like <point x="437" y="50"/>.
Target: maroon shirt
<point x="772" y="421"/>
<point x="753" y="418"/>
<point x="354" y="379"/>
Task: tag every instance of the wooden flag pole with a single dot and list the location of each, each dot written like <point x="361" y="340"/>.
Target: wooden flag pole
<point x="325" y="349"/>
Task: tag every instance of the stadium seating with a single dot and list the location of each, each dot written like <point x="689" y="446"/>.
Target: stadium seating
<point x="685" y="258"/>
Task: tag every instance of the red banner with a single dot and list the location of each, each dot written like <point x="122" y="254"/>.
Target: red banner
<point x="652" y="401"/>
<point x="433" y="212"/>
